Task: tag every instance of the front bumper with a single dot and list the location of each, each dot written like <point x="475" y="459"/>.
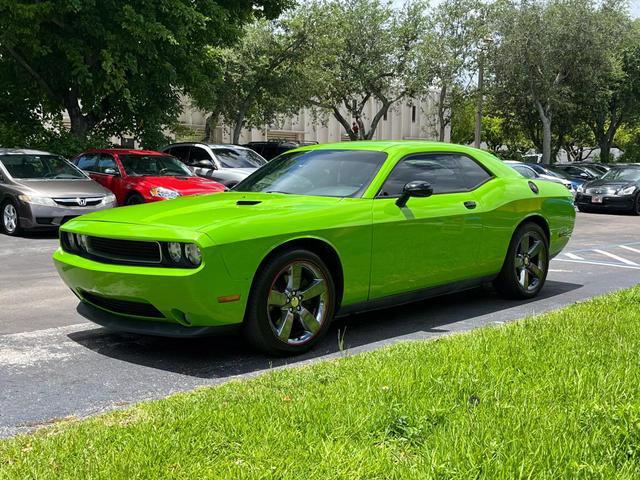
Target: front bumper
<point x="181" y="301"/>
<point x="41" y="216"/>
<point x="625" y="202"/>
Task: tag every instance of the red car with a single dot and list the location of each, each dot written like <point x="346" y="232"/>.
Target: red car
<point x="140" y="176"/>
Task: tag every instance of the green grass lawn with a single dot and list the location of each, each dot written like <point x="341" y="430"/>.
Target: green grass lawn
<point x="555" y="396"/>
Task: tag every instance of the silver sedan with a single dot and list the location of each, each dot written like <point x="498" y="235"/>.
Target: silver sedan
<point x="40" y="190"/>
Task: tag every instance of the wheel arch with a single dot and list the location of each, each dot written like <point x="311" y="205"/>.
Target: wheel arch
<point x="320" y="247"/>
<point x="538" y="220"/>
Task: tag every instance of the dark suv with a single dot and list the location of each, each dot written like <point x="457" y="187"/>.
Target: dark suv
<point x="272" y="148"/>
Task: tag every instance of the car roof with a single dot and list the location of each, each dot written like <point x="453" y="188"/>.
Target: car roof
<point x="23" y="151"/>
<point x="124" y="151"/>
<point x="210" y="145"/>
<point x="391" y="146"/>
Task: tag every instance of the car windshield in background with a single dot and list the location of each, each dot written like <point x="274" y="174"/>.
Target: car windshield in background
<point x="622" y="175"/>
<point x="558" y="172"/>
<point x="40" y="167"/>
<point x="154" y="165"/>
<point x="238" y="158"/>
<point x="327" y="173"/>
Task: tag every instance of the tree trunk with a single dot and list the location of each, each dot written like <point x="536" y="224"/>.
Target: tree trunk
<point x="343" y="121"/>
<point x="209" y="127"/>
<point x="442" y="123"/>
<point x="605" y="150"/>
<point x="545" y="118"/>
<point x="376" y="119"/>
<point x="80" y="124"/>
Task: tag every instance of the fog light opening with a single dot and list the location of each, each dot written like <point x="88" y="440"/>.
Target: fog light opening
<point x="180" y="316"/>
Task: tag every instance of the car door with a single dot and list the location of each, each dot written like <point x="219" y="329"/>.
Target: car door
<point x="431" y="241"/>
<point x="107" y="173"/>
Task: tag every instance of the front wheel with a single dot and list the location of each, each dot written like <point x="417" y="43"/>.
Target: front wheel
<point x="291" y="303"/>
<point x="134" y="199"/>
<point x="10" y="218"/>
<point x="636" y="205"/>
<point x="525" y="268"/>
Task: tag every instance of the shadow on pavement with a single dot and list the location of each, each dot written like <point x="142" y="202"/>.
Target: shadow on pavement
<point x="229" y="355"/>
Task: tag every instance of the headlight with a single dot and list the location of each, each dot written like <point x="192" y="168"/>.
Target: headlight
<point x="162" y="192"/>
<point x="109" y="199"/>
<point x="35" y="200"/>
<point x="193" y="254"/>
<point x="626" y="190"/>
<point x="83" y="242"/>
<point x="175" y="251"/>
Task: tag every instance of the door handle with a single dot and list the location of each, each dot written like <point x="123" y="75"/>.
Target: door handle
<point x="470" y="204"/>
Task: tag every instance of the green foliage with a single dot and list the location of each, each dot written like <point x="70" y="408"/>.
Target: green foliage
<point x="628" y="140"/>
<point x="550" y="397"/>
<point x="116" y="66"/>
<point x="364" y="49"/>
<point x="253" y="82"/>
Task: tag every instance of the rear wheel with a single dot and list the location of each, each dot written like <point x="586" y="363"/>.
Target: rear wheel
<point x="134" y="199"/>
<point x="10" y="218"/>
<point x="636" y="205"/>
<point x="525" y="268"/>
<point x="291" y="303"/>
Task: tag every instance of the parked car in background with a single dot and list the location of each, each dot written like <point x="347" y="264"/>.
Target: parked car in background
<point x="142" y="176"/>
<point x="272" y="148"/>
<point x="40" y="190"/>
<point x="529" y="171"/>
<point x="226" y="164"/>
<point x="602" y="168"/>
<point x="618" y="189"/>
<point x="285" y="251"/>
<point x="576" y="172"/>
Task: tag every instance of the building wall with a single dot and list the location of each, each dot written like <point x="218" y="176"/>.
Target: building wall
<point x="401" y="124"/>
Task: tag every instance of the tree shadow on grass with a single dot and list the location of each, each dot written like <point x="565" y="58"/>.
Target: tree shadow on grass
<point x="229" y="355"/>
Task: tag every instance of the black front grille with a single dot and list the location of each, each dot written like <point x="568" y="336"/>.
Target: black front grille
<point x="138" y="309"/>
<point x="79" y="201"/>
<point x="133" y="251"/>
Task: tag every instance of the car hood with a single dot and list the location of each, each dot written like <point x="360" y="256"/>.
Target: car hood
<point x="598" y="182"/>
<point x="62" y="188"/>
<point x="183" y="185"/>
<point x="210" y="213"/>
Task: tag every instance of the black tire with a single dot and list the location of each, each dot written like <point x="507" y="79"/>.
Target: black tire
<point x="512" y="282"/>
<point x="263" y="319"/>
<point x="9" y="205"/>
<point x="636" y="205"/>
<point x="134" y="199"/>
<point x="584" y="209"/>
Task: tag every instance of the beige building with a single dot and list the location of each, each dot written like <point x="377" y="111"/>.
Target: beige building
<point x="415" y="119"/>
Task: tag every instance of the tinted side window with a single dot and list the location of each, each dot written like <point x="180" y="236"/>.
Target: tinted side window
<point x="106" y="162"/>
<point x="181" y="153"/>
<point x="88" y="162"/>
<point x="197" y="154"/>
<point x="447" y="173"/>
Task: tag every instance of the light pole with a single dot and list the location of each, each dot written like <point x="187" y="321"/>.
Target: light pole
<point x="477" y="139"/>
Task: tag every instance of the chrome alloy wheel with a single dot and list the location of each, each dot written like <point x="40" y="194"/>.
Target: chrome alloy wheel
<point x="298" y="302"/>
<point x="531" y="261"/>
<point x="9" y="218"/>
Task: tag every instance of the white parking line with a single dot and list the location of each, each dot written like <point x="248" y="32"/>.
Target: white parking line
<point x="605" y="264"/>
<point x="635" y="250"/>
<point x="575" y="257"/>
<point x="616" y="257"/>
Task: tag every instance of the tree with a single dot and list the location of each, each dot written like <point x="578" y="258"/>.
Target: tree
<point x="610" y="95"/>
<point x="540" y="57"/>
<point x="260" y="76"/>
<point x="456" y="30"/>
<point x="117" y="66"/>
<point x="362" y="50"/>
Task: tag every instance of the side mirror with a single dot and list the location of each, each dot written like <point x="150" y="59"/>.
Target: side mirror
<point x="110" y="171"/>
<point x="205" y="164"/>
<point x="417" y="188"/>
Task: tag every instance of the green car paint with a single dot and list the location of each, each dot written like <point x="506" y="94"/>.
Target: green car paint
<point x="383" y="250"/>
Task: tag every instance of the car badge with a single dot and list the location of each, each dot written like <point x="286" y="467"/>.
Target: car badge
<point x="81" y="201"/>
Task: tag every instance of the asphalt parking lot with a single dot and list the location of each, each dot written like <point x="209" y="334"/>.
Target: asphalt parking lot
<point x="54" y="364"/>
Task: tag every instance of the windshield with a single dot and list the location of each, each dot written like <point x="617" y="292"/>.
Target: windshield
<point x="154" y="165"/>
<point x="622" y="174"/>
<point x="34" y="167"/>
<point x="327" y="173"/>
<point x="231" y="158"/>
<point x="558" y="172"/>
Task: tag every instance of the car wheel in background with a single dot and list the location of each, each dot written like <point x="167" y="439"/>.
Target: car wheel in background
<point x="636" y="205"/>
<point x="584" y="209"/>
<point x="10" y="218"/>
<point x="134" y="199"/>
<point x="291" y="303"/>
<point x="525" y="268"/>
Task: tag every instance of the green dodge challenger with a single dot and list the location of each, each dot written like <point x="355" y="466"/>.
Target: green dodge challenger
<point x="320" y="231"/>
